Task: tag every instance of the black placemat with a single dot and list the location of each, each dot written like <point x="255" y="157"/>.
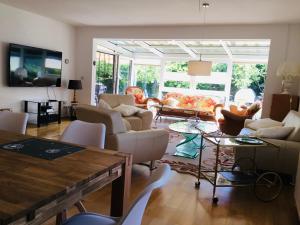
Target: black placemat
<point x="40" y="148"/>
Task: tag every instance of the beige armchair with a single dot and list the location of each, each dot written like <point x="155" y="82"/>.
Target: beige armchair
<point x="140" y="121"/>
<point x="145" y="145"/>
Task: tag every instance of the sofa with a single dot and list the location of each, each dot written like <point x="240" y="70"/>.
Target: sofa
<point x="297" y="189"/>
<point x="177" y="104"/>
<point x="144" y="145"/>
<point x="289" y="146"/>
<point x="141" y="120"/>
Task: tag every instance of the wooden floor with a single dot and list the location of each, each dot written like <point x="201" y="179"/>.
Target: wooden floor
<point x="179" y="203"/>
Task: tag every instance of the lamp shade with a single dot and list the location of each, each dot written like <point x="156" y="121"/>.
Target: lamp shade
<point x="288" y="70"/>
<point x="75" y="84"/>
<point x="199" y="68"/>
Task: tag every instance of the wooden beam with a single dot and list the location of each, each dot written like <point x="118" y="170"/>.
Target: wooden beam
<point x="186" y="49"/>
<point x="149" y="48"/>
<point x="226" y="48"/>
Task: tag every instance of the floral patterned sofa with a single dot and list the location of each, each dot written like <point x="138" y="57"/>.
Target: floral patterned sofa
<point x="180" y="105"/>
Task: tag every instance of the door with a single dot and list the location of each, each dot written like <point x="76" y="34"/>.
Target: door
<point x="105" y="70"/>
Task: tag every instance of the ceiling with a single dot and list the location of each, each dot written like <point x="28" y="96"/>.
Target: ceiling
<point x="236" y="50"/>
<point x="163" y="12"/>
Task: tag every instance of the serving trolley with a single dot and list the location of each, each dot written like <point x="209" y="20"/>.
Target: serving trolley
<point x="267" y="184"/>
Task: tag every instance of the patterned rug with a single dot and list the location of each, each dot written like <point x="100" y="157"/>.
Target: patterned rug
<point x="190" y="166"/>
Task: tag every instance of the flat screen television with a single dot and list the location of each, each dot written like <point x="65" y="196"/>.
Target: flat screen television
<point x="33" y="67"/>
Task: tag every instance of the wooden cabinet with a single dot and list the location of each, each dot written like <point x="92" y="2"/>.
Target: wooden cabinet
<point x="297" y="189"/>
<point x="282" y="104"/>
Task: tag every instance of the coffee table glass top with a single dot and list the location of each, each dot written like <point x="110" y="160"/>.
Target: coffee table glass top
<point x="194" y="127"/>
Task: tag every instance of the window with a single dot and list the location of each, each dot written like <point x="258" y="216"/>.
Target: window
<point x="177" y="84"/>
<point x="147" y="78"/>
<point x="210" y="87"/>
<point x="124" y="74"/>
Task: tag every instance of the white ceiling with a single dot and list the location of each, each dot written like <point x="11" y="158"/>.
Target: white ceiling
<point x="235" y="50"/>
<point x="163" y="12"/>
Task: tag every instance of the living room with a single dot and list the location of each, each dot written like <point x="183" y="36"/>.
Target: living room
<point x="75" y="29"/>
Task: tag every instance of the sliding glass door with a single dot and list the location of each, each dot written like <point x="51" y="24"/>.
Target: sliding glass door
<point x="105" y="70"/>
<point x="125" y="65"/>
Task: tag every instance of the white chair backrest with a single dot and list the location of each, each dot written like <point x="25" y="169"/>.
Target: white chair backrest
<point x="13" y="122"/>
<point x="84" y="133"/>
<point x="158" y="179"/>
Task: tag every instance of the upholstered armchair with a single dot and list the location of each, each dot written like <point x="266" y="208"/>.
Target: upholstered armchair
<point x="145" y="145"/>
<point x="233" y="120"/>
<point x="140" y="99"/>
<point x="139" y="121"/>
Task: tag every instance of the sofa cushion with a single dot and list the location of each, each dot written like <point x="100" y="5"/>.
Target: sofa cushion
<point x="127" y="124"/>
<point x="135" y="122"/>
<point x="103" y="104"/>
<point x="292" y="119"/>
<point x="274" y="132"/>
<point x="126" y="110"/>
<point x="263" y="123"/>
<point x="115" y="100"/>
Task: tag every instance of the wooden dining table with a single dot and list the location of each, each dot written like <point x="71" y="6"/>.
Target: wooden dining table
<point x="32" y="190"/>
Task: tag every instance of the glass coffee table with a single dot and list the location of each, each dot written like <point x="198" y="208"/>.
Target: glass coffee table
<point x="191" y="130"/>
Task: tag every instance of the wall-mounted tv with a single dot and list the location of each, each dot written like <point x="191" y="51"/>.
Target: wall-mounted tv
<point x="33" y="67"/>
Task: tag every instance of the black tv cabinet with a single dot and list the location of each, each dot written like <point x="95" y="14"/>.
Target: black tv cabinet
<point x="44" y="111"/>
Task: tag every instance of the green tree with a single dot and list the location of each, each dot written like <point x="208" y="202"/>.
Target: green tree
<point x="123" y="77"/>
<point x="147" y="77"/>
<point x="248" y="76"/>
<point x="104" y="75"/>
<point x="177" y="84"/>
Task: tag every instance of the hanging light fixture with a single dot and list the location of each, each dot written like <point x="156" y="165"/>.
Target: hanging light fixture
<point x="199" y="67"/>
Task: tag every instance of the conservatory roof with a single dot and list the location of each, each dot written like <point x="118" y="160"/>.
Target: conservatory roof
<point x="236" y="50"/>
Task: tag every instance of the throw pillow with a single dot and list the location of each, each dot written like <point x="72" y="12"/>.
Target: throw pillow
<point x="126" y="110"/>
<point x="253" y="108"/>
<point x="274" y="132"/>
<point x="263" y="123"/>
<point x="171" y="102"/>
<point x="103" y="104"/>
<point x="292" y="119"/>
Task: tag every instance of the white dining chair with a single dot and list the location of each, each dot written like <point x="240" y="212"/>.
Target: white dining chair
<point x="84" y="133"/>
<point x="135" y="214"/>
<point x="13" y="122"/>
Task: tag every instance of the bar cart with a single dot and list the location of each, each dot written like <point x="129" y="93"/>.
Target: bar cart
<point x="267" y="184"/>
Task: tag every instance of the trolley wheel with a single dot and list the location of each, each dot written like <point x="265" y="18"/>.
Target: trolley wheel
<point x="215" y="200"/>
<point x="268" y="186"/>
<point x="197" y="184"/>
<point x="244" y="164"/>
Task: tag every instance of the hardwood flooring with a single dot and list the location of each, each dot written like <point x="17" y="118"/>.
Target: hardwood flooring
<point x="179" y="203"/>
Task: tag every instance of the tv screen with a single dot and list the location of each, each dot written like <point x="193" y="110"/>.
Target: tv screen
<point x="34" y="67"/>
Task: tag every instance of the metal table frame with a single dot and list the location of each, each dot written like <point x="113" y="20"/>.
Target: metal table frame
<point x="215" y="140"/>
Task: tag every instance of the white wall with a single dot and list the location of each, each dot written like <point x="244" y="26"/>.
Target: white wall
<point x="21" y="27"/>
<point x="277" y="33"/>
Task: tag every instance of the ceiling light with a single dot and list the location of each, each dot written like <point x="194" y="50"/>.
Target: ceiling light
<point x="199" y="68"/>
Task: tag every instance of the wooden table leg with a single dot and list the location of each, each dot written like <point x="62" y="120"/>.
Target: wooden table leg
<point x="121" y="190"/>
<point x="61" y="217"/>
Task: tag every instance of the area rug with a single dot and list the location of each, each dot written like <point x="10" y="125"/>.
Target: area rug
<point x="190" y="166"/>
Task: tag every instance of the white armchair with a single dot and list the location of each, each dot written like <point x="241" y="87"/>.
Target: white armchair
<point x="145" y="145"/>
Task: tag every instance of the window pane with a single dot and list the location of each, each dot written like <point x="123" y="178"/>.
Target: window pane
<point x="219" y="67"/>
<point x="177" y="84"/>
<point x="147" y="78"/>
<point x="104" y="74"/>
<point x="124" y="72"/>
<point x="176" y="67"/>
<point x="210" y="87"/>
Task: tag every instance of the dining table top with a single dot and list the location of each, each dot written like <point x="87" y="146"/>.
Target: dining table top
<point x="27" y="183"/>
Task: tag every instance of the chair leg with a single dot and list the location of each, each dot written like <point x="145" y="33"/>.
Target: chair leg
<point x="152" y="165"/>
<point x="79" y="205"/>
